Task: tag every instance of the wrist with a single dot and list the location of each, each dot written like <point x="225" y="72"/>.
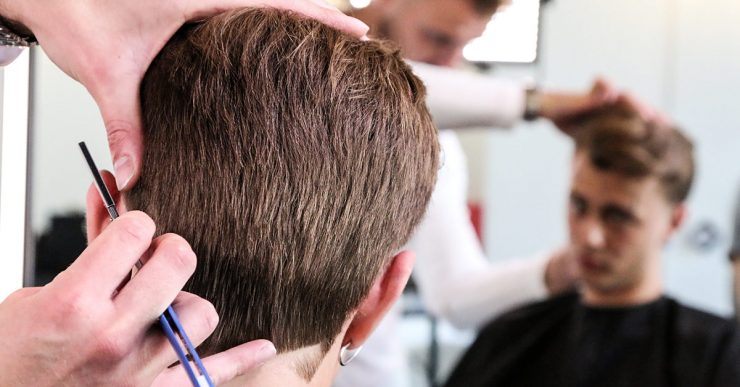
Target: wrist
<point x="532" y="104"/>
<point x="13" y="33"/>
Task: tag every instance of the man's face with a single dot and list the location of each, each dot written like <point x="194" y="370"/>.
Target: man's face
<point x="433" y="31"/>
<point x="618" y="227"/>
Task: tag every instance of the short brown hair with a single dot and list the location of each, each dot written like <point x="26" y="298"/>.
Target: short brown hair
<point x="618" y="139"/>
<point x="294" y="158"/>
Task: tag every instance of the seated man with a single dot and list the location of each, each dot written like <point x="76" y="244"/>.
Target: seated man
<point x="630" y="182"/>
<point x="296" y="160"/>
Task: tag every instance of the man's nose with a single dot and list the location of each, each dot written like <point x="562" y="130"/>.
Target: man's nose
<point x="449" y="58"/>
<point x="595" y="236"/>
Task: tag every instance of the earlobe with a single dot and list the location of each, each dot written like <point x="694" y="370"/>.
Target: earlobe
<point x="385" y="292"/>
<point x="96" y="215"/>
<point x="680" y="213"/>
<point x="678" y="217"/>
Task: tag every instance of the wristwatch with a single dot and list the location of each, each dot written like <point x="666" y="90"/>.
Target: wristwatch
<point x="10" y="36"/>
<point x="532" y="104"/>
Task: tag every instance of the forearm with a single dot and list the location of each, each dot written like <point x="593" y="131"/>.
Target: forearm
<point x="474" y="298"/>
<point x="459" y="99"/>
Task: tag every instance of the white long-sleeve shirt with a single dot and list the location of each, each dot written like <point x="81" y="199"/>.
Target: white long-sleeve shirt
<point x="462" y="99"/>
<point x="456" y="280"/>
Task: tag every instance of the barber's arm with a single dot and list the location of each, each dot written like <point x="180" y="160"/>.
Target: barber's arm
<point x="461" y="99"/>
<point x="456" y="280"/>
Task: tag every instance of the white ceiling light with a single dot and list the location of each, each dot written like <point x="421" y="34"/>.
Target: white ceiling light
<point x="357" y="4"/>
<point x="511" y="36"/>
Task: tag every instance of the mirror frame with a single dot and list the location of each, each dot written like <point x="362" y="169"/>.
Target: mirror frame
<point x="14" y="173"/>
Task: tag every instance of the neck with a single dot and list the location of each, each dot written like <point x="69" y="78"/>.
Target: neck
<point x="283" y="370"/>
<point x="647" y="289"/>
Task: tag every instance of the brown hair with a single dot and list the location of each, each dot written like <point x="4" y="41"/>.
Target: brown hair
<point x="618" y="139"/>
<point x="294" y="158"/>
<point x="487" y="7"/>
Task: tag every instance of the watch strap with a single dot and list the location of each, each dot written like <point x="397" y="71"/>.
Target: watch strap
<point x="532" y="104"/>
<point x="10" y="35"/>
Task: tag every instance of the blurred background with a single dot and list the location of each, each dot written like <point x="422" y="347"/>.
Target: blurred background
<point x="681" y="56"/>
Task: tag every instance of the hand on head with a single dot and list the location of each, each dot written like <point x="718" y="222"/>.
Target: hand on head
<point x="108" y="45"/>
<point x="565" y="110"/>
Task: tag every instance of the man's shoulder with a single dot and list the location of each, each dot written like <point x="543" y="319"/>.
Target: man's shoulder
<point x="708" y="341"/>
<point x="697" y="323"/>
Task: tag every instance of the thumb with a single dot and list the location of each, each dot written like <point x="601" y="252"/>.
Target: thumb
<point x="121" y="112"/>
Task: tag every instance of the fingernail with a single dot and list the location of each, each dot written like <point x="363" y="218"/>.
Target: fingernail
<point x="362" y="25"/>
<point x="265" y="353"/>
<point x="325" y="5"/>
<point x="124" y="169"/>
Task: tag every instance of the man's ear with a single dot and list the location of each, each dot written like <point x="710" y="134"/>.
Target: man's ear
<point x="96" y="216"/>
<point x="384" y="293"/>
<point x="678" y="217"/>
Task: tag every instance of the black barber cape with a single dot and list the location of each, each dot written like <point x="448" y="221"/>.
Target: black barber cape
<point x="561" y="342"/>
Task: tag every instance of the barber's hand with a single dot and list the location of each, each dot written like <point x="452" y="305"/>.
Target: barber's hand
<point x="107" y="45"/>
<point x="564" y="108"/>
<point x="645" y="111"/>
<point x="79" y="330"/>
<point x="562" y="272"/>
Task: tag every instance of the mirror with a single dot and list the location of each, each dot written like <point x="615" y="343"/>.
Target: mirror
<point x="677" y="55"/>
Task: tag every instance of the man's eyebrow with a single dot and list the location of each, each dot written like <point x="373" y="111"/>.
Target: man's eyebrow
<point x="577" y="195"/>
<point x="619" y="210"/>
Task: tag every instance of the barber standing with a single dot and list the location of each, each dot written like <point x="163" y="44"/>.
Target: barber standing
<point x="456" y="281"/>
<point x="75" y="331"/>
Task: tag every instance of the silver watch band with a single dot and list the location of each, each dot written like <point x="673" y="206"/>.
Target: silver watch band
<point x="8" y="37"/>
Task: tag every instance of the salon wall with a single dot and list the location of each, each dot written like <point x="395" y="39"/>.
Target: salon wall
<point x="679" y="55"/>
<point x="62" y="114"/>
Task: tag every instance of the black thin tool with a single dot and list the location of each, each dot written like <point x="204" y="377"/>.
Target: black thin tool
<point x="168" y="320"/>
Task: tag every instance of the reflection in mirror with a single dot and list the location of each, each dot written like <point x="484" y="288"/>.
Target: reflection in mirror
<point x="677" y="56"/>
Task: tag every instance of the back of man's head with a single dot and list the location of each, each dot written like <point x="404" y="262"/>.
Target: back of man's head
<point x="294" y="158"/>
<point x="617" y="139"/>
